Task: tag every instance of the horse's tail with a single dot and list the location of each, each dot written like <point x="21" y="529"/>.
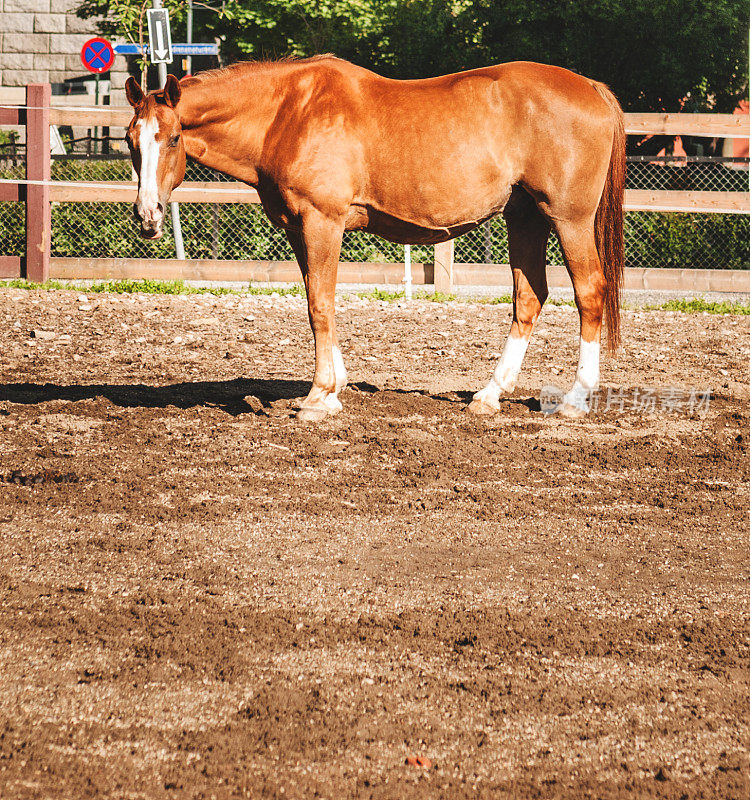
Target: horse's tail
<point x="608" y="228"/>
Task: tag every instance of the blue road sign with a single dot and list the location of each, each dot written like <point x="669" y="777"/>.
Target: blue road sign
<point x="97" y="55"/>
<point x="179" y="49"/>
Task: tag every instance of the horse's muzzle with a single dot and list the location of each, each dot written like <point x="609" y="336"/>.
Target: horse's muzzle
<point x="151" y="221"/>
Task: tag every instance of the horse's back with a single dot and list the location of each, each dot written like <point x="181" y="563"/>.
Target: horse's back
<point x="432" y="157"/>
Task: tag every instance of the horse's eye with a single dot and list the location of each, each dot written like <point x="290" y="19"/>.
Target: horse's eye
<point x="173" y="141"/>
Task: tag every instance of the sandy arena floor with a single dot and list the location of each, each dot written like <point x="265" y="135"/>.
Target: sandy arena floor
<point x="201" y="597"/>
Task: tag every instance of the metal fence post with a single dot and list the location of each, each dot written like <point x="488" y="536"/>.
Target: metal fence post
<point x="179" y="245"/>
<point x="38" y="168"/>
<point x="444" y="254"/>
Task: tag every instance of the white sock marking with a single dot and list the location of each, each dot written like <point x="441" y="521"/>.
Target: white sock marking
<point x="587" y="376"/>
<point x="339" y="370"/>
<point x="506" y="371"/>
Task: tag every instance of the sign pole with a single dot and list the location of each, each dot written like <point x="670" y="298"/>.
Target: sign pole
<point x="97" y="55"/>
<point x="189" y="59"/>
<point x="179" y="246"/>
<point x="96" y="103"/>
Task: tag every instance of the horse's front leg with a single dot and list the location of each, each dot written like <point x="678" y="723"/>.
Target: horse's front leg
<point x="317" y="249"/>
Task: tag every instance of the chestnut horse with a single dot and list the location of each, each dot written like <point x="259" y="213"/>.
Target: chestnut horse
<point x="330" y="147"/>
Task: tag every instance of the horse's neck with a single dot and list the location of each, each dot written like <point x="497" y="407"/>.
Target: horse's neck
<point x="224" y="127"/>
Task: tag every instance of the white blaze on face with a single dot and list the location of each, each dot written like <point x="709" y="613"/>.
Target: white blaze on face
<point x="148" y="194"/>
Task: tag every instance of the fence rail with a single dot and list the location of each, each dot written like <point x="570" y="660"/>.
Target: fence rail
<point x="38" y="191"/>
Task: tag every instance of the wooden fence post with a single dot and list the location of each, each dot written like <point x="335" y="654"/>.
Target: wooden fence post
<point x="38" y="168"/>
<point x="443" y="279"/>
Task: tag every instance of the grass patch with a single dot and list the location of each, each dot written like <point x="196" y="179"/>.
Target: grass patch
<point x="388" y="296"/>
<point x="494" y="301"/>
<point x="149" y="287"/>
<point x="506" y="298"/>
<point x="385" y="295"/>
<point x="695" y="306"/>
<point x="700" y="306"/>
<point x="435" y="297"/>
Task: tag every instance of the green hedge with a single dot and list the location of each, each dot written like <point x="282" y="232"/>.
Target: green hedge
<point x="718" y="241"/>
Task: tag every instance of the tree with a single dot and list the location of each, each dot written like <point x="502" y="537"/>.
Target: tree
<point x="655" y="54"/>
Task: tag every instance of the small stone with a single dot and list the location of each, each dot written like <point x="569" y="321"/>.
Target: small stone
<point x="40" y="334"/>
<point x="663" y="775"/>
<point x="255" y="404"/>
<point x="285" y="341"/>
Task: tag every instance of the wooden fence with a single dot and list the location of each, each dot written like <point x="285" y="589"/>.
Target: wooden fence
<point x="38" y="191"/>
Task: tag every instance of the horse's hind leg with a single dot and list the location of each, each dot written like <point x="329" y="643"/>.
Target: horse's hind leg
<point x="590" y="289"/>
<point x="528" y="231"/>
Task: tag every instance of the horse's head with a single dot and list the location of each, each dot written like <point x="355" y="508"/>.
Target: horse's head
<point x="155" y="140"/>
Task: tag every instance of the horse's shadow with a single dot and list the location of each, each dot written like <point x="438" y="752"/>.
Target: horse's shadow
<point x="235" y="397"/>
<point x="228" y="396"/>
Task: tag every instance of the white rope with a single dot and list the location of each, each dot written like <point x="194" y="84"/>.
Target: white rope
<point x="103" y="109"/>
<point x="113" y="185"/>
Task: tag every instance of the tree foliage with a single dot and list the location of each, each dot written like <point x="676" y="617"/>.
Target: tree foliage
<point x="655" y="54"/>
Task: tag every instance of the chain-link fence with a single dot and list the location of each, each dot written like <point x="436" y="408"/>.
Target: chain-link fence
<point x="688" y="173"/>
<point x="652" y="239"/>
<point x="242" y="231"/>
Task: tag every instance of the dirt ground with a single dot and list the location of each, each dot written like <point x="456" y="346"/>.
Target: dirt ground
<point x="201" y="597"/>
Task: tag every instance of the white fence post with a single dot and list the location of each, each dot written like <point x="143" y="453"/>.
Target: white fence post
<point x="407" y="272"/>
<point x="443" y="276"/>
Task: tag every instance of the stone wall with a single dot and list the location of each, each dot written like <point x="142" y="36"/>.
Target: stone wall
<point x="41" y="40"/>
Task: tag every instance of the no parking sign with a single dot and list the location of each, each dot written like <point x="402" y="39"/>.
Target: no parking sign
<point x="97" y="55"/>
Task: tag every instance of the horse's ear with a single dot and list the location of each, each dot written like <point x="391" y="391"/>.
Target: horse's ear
<point x="172" y="91"/>
<point x="133" y="92"/>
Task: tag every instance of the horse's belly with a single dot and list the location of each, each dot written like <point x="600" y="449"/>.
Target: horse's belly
<point x="402" y="231"/>
<point x="437" y="221"/>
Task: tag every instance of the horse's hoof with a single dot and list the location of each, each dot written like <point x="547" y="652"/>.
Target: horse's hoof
<point x="572" y="412"/>
<point x="482" y="409"/>
<point x="313" y="414"/>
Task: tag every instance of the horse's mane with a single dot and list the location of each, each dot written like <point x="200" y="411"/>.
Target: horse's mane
<point x="242" y="68"/>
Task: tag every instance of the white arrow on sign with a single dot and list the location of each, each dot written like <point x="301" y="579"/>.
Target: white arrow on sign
<point x="159" y="36"/>
<point x="159" y="50"/>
